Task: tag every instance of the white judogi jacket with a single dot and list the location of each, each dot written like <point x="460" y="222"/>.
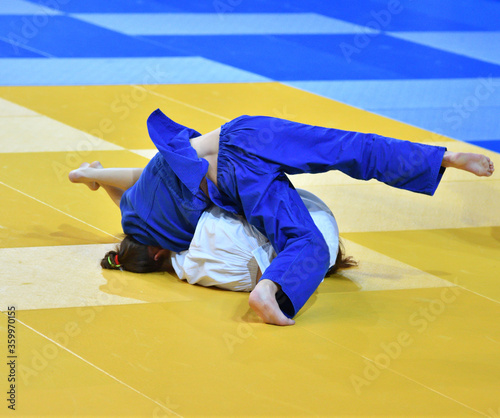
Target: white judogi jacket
<point x="226" y="251"/>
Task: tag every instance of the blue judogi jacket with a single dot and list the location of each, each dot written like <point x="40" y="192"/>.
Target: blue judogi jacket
<point x="164" y="206"/>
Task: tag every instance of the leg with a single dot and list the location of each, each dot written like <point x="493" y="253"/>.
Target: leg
<point x="114" y="180"/>
<point x="121" y="178"/>
<point x="297" y="148"/>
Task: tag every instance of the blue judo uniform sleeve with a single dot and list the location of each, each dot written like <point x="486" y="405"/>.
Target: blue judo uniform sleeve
<point x="256" y="152"/>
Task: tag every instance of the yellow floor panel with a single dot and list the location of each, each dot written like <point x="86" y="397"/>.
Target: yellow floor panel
<point x="50" y="381"/>
<point x="468" y="257"/>
<point x="429" y="335"/>
<point x="208" y="363"/>
<point x="37" y="278"/>
<point x="118" y="113"/>
<point x="57" y="276"/>
<point x="380" y="272"/>
<point x="40" y="133"/>
<point x="25" y="222"/>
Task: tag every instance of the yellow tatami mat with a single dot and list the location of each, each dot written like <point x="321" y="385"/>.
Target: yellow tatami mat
<point x="412" y="331"/>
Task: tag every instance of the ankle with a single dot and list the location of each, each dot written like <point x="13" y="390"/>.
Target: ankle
<point x="270" y="285"/>
<point x="449" y="159"/>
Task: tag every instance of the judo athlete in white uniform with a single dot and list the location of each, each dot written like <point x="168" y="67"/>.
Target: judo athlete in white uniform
<point x="229" y="253"/>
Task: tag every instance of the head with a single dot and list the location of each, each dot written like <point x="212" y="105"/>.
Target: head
<point x="133" y="256"/>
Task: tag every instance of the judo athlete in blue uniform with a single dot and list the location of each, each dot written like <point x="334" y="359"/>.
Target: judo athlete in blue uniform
<point x="242" y="168"/>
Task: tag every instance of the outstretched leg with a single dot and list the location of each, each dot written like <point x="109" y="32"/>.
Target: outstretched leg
<point x="298" y="148"/>
<point x="478" y="164"/>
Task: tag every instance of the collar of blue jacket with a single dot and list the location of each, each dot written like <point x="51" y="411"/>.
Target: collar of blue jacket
<point x="172" y="140"/>
<point x="163" y="207"/>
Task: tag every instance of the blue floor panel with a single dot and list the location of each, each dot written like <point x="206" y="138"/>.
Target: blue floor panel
<point x="328" y="57"/>
<point x="491" y="145"/>
<point x="400" y="15"/>
<point x="274" y="57"/>
<point x="110" y="6"/>
<point x="404" y="14"/>
<point x="479" y="14"/>
<point x="193" y="6"/>
<point x="80" y="39"/>
<point x="14" y="47"/>
<point x="109" y="71"/>
<point x="392" y="55"/>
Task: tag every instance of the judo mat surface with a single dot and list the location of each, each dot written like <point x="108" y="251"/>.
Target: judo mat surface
<point x="414" y="330"/>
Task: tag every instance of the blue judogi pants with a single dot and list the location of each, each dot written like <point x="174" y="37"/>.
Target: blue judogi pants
<point x="256" y="153"/>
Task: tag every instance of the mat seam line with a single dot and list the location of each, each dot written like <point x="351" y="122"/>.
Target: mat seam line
<point x="395" y="372"/>
<point x="56" y="209"/>
<point x="98" y="368"/>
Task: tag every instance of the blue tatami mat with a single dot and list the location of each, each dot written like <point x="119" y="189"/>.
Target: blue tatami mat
<point x="421" y="62"/>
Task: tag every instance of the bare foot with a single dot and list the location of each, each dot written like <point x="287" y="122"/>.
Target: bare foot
<point x="478" y="164"/>
<point x="80" y="175"/>
<point x="263" y="301"/>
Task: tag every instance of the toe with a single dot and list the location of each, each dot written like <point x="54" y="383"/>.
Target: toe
<point x="96" y="164"/>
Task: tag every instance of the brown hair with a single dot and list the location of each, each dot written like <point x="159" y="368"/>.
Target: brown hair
<point x="133" y="256"/>
<point x="342" y="261"/>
